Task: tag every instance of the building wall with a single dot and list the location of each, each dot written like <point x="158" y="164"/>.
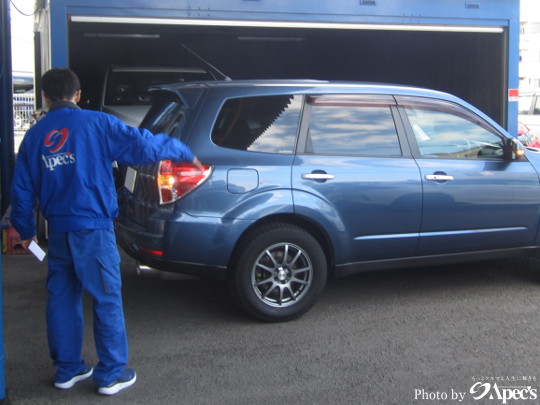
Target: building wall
<point x="529" y="48"/>
<point x="448" y="15"/>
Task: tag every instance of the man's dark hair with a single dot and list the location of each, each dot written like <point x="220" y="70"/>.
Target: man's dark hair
<point x="60" y="84"/>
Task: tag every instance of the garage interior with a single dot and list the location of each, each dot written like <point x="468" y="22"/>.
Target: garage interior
<point x="470" y="65"/>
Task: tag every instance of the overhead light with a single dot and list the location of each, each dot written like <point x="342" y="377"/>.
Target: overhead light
<point x="132" y="36"/>
<point x="270" y="39"/>
<point x="289" y="24"/>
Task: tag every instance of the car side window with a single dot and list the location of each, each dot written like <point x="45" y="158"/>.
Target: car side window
<point x="267" y="124"/>
<point x="449" y="134"/>
<point x="537" y="106"/>
<point x="345" y="125"/>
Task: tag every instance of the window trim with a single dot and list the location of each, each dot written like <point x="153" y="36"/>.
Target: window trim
<point x="442" y="106"/>
<point x="350" y="100"/>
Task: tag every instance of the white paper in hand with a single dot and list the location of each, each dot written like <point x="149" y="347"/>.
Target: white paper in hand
<point x="37" y="251"/>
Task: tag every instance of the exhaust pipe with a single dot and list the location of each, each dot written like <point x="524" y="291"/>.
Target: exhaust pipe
<point x="144" y="270"/>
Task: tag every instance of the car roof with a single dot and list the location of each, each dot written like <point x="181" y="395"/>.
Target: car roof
<point x="305" y="85"/>
<point x="152" y="69"/>
<point x="23" y="79"/>
<point x="240" y="88"/>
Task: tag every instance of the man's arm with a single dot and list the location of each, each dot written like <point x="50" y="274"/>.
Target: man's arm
<point x="23" y="200"/>
<point x="138" y="146"/>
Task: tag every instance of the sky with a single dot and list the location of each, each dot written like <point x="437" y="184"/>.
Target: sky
<point x="22" y="42"/>
<point x="22" y="31"/>
<point x="530" y="8"/>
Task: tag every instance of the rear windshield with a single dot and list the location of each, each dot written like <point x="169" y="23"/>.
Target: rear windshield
<point x="22" y="84"/>
<point x="166" y="114"/>
<point x="131" y="88"/>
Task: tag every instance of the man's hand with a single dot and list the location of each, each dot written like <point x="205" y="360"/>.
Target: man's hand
<point x="25" y="243"/>
<point x="197" y="163"/>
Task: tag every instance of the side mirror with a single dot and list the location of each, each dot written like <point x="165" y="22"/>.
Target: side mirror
<point x="514" y="149"/>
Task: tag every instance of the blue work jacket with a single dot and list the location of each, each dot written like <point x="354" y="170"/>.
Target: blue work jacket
<point x="65" y="162"/>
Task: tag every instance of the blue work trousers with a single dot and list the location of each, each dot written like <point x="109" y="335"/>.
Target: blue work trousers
<point x="85" y="260"/>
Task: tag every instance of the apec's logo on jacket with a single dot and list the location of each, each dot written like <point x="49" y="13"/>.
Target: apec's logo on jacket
<point x="54" y="142"/>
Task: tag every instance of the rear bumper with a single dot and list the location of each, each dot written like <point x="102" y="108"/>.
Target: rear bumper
<point x="151" y="250"/>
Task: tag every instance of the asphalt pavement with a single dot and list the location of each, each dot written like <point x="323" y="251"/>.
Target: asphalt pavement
<point x="439" y="335"/>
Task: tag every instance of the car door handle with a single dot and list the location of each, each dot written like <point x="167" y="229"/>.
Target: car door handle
<point x="438" y="177"/>
<point x="317" y="176"/>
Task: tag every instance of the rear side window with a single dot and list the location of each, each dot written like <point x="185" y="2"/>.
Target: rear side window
<point x="267" y="124"/>
<point x="348" y="125"/>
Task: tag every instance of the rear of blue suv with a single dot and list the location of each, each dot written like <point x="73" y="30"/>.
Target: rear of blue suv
<point x="306" y="179"/>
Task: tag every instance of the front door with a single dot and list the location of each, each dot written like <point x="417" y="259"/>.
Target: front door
<point x="475" y="197"/>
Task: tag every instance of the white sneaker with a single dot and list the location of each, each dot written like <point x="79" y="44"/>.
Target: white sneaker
<point x="83" y="375"/>
<point x="126" y="379"/>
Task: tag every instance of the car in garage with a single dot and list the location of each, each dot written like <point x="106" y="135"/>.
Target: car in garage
<point x="305" y="180"/>
<point x="125" y="88"/>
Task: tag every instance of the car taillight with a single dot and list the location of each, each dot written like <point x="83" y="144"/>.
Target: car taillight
<point x="176" y="179"/>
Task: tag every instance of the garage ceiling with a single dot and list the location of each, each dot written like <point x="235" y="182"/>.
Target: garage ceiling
<point x="468" y="64"/>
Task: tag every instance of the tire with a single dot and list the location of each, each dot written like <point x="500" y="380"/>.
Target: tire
<point x="279" y="273"/>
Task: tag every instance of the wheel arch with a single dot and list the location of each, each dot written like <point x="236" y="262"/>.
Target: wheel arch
<point x="306" y="224"/>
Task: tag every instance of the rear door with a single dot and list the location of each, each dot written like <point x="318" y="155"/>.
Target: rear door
<point x="475" y="197"/>
<point x="355" y="175"/>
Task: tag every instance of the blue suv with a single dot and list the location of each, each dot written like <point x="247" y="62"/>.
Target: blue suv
<point x="304" y="180"/>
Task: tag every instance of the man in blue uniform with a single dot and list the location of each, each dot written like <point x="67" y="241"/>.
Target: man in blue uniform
<point x="65" y="162"/>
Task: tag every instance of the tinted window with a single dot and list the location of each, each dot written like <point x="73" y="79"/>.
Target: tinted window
<point x="453" y="134"/>
<point x="131" y="88"/>
<point x="165" y="116"/>
<point x="341" y="128"/>
<point x="259" y="124"/>
<point x="22" y="84"/>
